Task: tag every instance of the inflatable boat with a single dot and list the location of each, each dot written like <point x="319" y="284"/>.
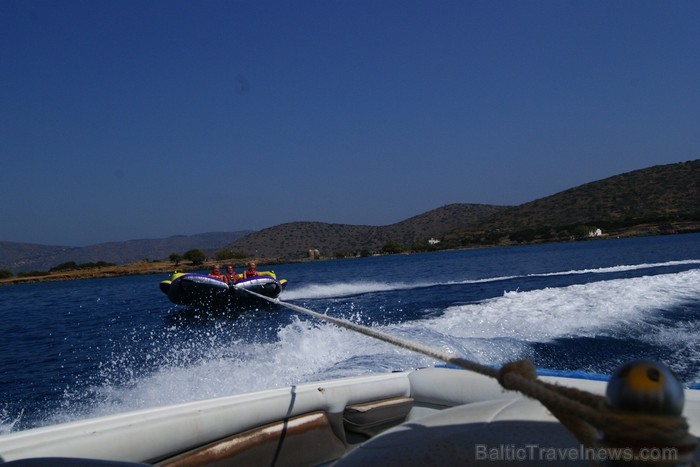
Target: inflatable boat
<point x="203" y="291"/>
<point x="431" y="416"/>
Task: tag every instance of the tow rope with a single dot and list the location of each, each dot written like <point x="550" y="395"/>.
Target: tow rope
<point x="586" y="415"/>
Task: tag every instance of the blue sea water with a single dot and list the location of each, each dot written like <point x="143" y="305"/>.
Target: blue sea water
<point x="79" y="349"/>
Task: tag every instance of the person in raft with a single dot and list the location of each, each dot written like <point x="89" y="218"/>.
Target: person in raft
<point x="250" y="272"/>
<point x="230" y="276"/>
<point x="216" y="273"/>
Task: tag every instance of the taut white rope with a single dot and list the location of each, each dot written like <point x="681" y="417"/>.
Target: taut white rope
<point x="583" y="413"/>
<point x="399" y="342"/>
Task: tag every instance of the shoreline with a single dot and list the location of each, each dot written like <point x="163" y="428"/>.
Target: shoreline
<point x="138" y="268"/>
<point x="131" y="269"/>
<point x="168" y="267"/>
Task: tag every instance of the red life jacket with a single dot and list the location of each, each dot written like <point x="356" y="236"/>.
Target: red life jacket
<point x="230" y="278"/>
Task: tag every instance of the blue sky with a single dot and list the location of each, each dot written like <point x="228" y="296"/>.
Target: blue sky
<point x="137" y="119"/>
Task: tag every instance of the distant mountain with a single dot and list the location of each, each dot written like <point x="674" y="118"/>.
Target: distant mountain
<point x="18" y="257"/>
<point x="295" y="239"/>
<point x="661" y="195"/>
<point x="660" y="199"/>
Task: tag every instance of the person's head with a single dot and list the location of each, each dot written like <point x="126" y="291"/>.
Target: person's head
<point x="216" y="268"/>
<point x="251" y="265"/>
<point x="229" y="268"/>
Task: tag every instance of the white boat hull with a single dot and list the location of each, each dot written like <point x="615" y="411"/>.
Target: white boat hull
<point x="436" y="413"/>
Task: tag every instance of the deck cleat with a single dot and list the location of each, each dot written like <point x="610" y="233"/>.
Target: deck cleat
<point x="645" y="386"/>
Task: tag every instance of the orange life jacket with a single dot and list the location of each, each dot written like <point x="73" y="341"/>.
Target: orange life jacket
<point x="216" y="276"/>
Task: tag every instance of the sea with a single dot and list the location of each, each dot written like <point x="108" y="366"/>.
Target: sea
<point x="72" y="350"/>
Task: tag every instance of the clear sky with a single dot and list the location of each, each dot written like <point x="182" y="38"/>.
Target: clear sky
<point x="131" y="119"/>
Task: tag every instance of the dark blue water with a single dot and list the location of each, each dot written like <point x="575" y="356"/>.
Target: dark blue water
<point x="78" y="349"/>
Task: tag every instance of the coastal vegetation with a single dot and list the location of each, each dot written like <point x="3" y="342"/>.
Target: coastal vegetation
<point x="655" y="201"/>
<point x="196" y="256"/>
<point x="72" y="265"/>
<point x="228" y="253"/>
<point x="658" y="200"/>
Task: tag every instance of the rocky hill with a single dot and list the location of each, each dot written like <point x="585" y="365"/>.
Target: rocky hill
<point x="295" y="239"/>
<point x="18" y="257"/>
<point x="663" y="196"/>
<point x="660" y="199"/>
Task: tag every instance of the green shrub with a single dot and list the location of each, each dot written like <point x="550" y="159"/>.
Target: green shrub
<point x="392" y="247"/>
<point x="175" y="258"/>
<point x="67" y="266"/>
<point x="32" y="273"/>
<point x="195" y="256"/>
<point x="227" y="253"/>
<point x="72" y="266"/>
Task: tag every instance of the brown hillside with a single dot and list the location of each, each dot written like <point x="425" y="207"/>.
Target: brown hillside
<point x="293" y="240"/>
<point x="661" y="199"/>
<point x="25" y="256"/>
<point x="657" y="194"/>
<point x="435" y="223"/>
<point x="658" y="199"/>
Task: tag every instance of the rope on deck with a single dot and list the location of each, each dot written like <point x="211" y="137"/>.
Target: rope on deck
<point x="585" y="414"/>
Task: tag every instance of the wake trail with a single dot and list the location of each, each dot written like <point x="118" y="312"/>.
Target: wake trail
<point x="348" y="289"/>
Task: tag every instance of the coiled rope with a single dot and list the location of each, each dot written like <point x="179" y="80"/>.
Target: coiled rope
<point x="585" y="414"/>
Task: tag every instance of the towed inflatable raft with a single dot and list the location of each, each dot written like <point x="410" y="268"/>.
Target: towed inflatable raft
<point x="203" y="291"/>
